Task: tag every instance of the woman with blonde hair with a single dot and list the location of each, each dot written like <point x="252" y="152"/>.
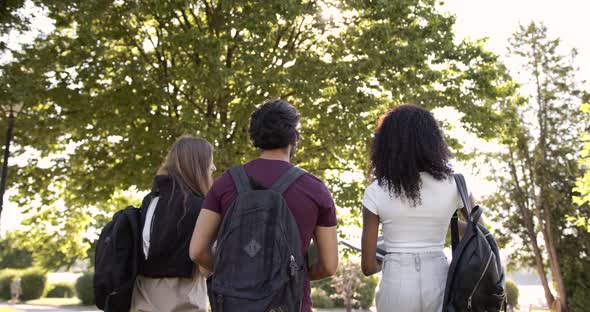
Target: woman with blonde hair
<point x="168" y="280"/>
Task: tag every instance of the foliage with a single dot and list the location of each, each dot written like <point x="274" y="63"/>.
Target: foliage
<point x="582" y="189"/>
<point x="60" y="290"/>
<point x="84" y="288"/>
<point x="33" y="281"/>
<point x="320" y="299"/>
<point x="576" y="271"/>
<point x="12" y="254"/>
<point x="512" y="293"/>
<point x="348" y="289"/>
<point x="56" y="235"/>
<point x="121" y="81"/>
<point x="11" y="20"/>
<point x="366" y="293"/>
<point x="539" y="161"/>
<point x="60" y="236"/>
<point x="6" y="277"/>
<point x="346" y="283"/>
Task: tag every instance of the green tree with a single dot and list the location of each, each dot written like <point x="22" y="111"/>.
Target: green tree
<point x="123" y="79"/>
<point x="59" y="235"/>
<point x="540" y="162"/>
<point x="10" y="20"/>
<point x="512" y="293"/>
<point x="12" y="254"/>
<point x="582" y="189"/>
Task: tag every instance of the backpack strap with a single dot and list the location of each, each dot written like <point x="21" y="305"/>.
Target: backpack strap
<point x="240" y="178"/>
<point x="287" y="179"/>
<point x="462" y="188"/>
<point x="132" y="219"/>
<point x="454" y="231"/>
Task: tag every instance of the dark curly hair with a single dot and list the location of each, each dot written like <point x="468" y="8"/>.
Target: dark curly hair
<point x="408" y="141"/>
<point x="274" y="125"/>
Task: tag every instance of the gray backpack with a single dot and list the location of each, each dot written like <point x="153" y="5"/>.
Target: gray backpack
<point x="476" y="280"/>
<point x="258" y="260"/>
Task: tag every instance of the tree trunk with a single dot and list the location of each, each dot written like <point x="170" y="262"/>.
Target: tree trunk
<point x="540" y="266"/>
<point x="555" y="268"/>
<point x="4" y="175"/>
<point x="543" y="210"/>
<point x="530" y="231"/>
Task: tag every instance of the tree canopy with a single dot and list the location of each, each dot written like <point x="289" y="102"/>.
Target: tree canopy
<point x="537" y="170"/>
<point x="117" y="82"/>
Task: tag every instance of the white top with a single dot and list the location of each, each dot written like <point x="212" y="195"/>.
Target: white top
<point x="419" y="228"/>
<point x="147" y="228"/>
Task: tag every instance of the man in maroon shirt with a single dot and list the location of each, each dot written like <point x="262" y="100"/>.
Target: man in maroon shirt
<point x="273" y="129"/>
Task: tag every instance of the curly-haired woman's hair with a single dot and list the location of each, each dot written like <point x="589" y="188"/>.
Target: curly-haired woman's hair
<point x="408" y="141"/>
<point x="274" y="125"/>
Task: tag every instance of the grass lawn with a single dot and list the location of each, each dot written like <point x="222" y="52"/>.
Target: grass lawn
<point x="55" y="302"/>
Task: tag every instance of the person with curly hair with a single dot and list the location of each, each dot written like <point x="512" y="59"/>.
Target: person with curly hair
<point x="273" y="130"/>
<point x="413" y="197"/>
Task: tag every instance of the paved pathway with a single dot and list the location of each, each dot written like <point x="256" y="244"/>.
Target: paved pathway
<point x="38" y="308"/>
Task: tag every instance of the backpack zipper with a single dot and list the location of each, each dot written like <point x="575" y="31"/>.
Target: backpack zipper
<point x="479" y="281"/>
<point x="293" y="266"/>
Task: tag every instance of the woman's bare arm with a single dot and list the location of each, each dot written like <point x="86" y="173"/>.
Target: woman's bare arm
<point x="369" y="262"/>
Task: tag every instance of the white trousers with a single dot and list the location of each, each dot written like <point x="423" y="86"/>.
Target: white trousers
<point x="413" y="282"/>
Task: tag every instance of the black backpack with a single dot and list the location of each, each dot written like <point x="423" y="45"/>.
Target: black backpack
<point x="258" y="261"/>
<point x="476" y="280"/>
<point x="117" y="261"/>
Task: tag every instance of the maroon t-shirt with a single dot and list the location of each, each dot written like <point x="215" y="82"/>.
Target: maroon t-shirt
<point x="308" y="198"/>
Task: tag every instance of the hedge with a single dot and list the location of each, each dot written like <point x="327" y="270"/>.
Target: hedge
<point x="512" y="293"/>
<point x="6" y="277"/>
<point x="33" y="282"/>
<point x="84" y="288"/>
<point x="365" y="294"/>
<point x="321" y="299"/>
<point x="60" y="290"/>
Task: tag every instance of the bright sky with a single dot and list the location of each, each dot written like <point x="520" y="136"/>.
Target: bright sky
<point x="497" y="20"/>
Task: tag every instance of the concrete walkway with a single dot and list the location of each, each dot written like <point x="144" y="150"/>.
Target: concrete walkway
<point x="38" y="308"/>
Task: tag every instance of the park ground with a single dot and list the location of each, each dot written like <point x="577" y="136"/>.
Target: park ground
<point x="530" y="298"/>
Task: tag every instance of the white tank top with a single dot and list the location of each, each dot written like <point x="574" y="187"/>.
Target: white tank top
<point x="147" y="228"/>
<point x="419" y="228"/>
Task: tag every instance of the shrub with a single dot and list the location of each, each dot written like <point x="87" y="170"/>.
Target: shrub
<point x="33" y="282"/>
<point x="13" y="254"/>
<point x="325" y="285"/>
<point x="6" y="277"/>
<point x="84" y="288"/>
<point x="363" y="288"/>
<point x="321" y="299"/>
<point x="512" y="293"/>
<point x="366" y="292"/>
<point x="60" y="290"/>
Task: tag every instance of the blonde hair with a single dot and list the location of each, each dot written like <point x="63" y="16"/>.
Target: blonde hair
<point x="188" y="163"/>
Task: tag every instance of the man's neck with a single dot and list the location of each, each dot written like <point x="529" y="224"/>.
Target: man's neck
<point x="276" y="154"/>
